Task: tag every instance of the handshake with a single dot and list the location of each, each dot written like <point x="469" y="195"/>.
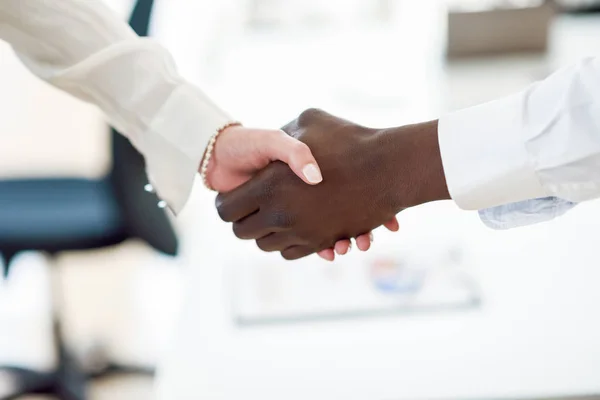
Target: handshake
<point x="341" y="181"/>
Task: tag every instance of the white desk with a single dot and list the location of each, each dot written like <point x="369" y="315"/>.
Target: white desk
<point x="537" y="333"/>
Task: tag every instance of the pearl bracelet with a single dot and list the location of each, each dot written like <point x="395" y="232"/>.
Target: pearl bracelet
<point x="209" y="152"/>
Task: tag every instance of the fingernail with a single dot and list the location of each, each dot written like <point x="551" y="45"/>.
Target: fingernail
<point x="312" y="173"/>
<point x="371" y="237"/>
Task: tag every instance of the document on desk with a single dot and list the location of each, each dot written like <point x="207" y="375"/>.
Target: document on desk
<point x="414" y="278"/>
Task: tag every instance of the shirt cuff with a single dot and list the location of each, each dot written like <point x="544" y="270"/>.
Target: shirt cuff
<point x="525" y="213"/>
<point x="484" y="156"/>
<point x="176" y="141"/>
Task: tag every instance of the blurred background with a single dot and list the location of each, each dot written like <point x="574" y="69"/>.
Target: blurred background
<point x="446" y="308"/>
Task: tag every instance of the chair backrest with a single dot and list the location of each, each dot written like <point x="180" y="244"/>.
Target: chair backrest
<point x="144" y="218"/>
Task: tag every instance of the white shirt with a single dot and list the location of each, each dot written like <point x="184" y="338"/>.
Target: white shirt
<point x="541" y="143"/>
<point x="83" y="48"/>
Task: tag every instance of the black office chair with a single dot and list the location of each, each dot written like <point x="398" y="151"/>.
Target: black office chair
<point x="578" y="6"/>
<point x="56" y="215"/>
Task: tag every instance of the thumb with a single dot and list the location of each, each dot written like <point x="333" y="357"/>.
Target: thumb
<point x="296" y="155"/>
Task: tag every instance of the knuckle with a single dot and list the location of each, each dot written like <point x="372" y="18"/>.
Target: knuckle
<point x="273" y="175"/>
<point x="301" y="148"/>
<point x="268" y="191"/>
<point x="300" y="152"/>
<point x="274" y="134"/>
<point x="280" y="219"/>
<point x="308" y="115"/>
<point x="290" y="127"/>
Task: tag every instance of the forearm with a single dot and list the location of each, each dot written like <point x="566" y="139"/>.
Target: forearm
<point x="52" y="36"/>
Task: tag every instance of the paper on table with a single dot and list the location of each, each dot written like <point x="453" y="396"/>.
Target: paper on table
<point x="415" y="278"/>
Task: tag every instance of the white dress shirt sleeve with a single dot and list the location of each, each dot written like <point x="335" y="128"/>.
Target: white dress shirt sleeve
<point x="542" y="142"/>
<point x="83" y="48"/>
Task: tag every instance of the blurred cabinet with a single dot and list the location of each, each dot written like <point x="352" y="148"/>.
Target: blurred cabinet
<point x="498" y="27"/>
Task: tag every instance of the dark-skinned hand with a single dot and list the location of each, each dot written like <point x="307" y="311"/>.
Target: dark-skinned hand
<point x="369" y="176"/>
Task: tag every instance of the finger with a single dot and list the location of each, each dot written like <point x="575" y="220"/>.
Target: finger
<point x="393" y="225"/>
<point x="342" y="247"/>
<point x="296" y="252"/>
<point x="327" y="254"/>
<point x="363" y="242"/>
<point x="254" y="226"/>
<point x="295" y="154"/>
<point x="237" y="204"/>
<point x="275" y="242"/>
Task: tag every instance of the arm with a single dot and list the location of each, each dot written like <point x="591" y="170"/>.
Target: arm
<point x="544" y="141"/>
<point x="82" y="48"/>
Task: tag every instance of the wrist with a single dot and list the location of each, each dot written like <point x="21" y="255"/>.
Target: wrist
<point x="414" y="164"/>
<point x="432" y="179"/>
<point x="209" y="162"/>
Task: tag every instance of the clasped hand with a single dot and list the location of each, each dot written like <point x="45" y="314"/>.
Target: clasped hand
<point x="359" y="192"/>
